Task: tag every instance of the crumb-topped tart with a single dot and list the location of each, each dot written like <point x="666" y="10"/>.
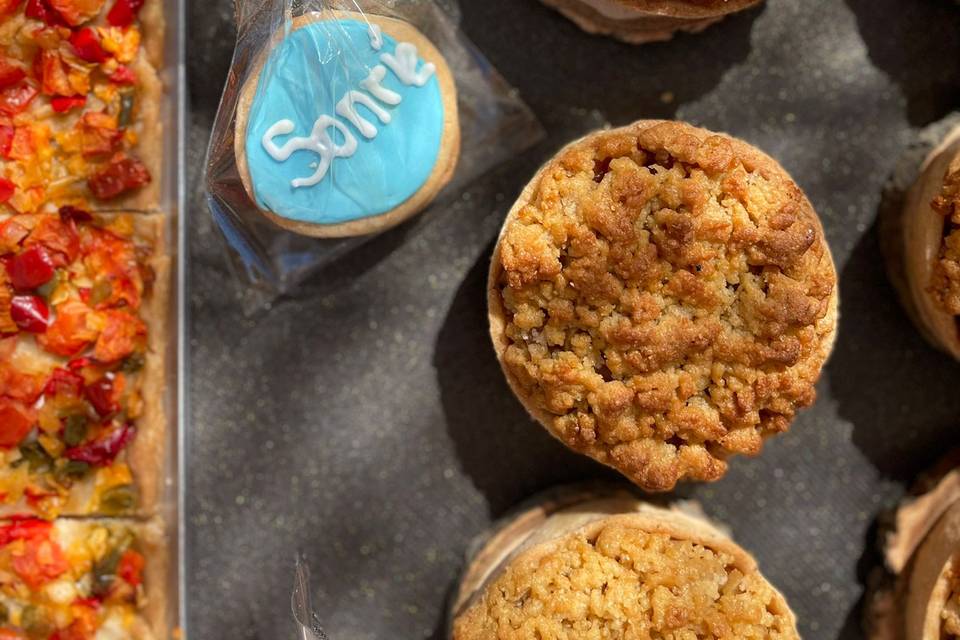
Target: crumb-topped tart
<point x="76" y="580"/>
<point x="81" y="300"/>
<point x="639" y="21"/>
<point x="921" y="241"/>
<point x="918" y="598"/>
<point x="79" y="103"/>
<point x="662" y="297"/>
<point x="616" y="568"/>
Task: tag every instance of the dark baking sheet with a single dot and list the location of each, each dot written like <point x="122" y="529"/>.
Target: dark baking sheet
<point x="369" y="425"/>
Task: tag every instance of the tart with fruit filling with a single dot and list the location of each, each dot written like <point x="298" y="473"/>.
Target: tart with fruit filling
<point x="79" y="104"/>
<point x="73" y="580"/>
<point x="79" y="403"/>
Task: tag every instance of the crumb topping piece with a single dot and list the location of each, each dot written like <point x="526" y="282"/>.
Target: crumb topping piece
<point x="667" y="294"/>
<point x="628" y="583"/>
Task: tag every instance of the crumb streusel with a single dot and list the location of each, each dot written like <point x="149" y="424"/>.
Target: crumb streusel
<point x="625" y="582"/>
<point x="666" y="298"/>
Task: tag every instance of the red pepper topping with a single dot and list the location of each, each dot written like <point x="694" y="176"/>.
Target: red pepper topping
<point x="41" y="10"/>
<point x="31" y="269"/>
<point x="14" y="100"/>
<point x="79" y="363"/>
<point x="8" y="6"/>
<point x="104" y="450"/>
<point x="62" y="104"/>
<point x="100" y="395"/>
<point x="15" y="423"/>
<point x="7" y="189"/>
<point x="86" y="44"/>
<point x="123" y="75"/>
<point x="130" y="568"/>
<point x="68" y="213"/>
<point x="10" y="74"/>
<point x="7" y="131"/>
<point x="63" y="383"/>
<point x="121" y="175"/>
<point x="124" y="12"/>
<point x="26" y="529"/>
<point x="30" y="313"/>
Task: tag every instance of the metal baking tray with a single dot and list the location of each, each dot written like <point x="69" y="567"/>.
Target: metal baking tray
<point x="172" y="205"/>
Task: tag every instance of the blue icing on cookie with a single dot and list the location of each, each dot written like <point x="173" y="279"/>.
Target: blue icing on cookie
<point x="362" y="160"/>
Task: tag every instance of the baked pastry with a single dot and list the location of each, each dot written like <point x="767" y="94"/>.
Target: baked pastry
<point x="80" y="579"/>
<point x="613" y="567"/>
<point x="80" y="104"/>
<point x="353" y="139"/>
<point x="82" y="311"/>
<point x="662" y="297"/>
<point x="639" y="21"/>
<point x="920" y="598"/>
<point x="922" y="245"/>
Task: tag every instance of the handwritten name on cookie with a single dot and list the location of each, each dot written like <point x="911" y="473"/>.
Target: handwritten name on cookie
<point x="372" y="95"/>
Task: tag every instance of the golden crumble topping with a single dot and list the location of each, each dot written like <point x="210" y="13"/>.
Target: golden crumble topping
<point x="945" y="285"/>
<point x="627" y="583"/>
<point x="951" y="610"/>
<point x="668" y="298"/>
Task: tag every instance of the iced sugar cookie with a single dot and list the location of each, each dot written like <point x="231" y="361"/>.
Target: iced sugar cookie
<point x="348" y="126"/>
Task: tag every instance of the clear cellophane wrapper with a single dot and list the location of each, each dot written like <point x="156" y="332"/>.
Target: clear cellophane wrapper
<point x="495" y="125"/>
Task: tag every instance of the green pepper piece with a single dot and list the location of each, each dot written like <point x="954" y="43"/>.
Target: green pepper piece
<point x="118" y="500"/>
<point x="126" y="109"/>
<point x="36" y="457"/>
<point x="133" y="363"/>
<point x="101" y="292"/>
<point x="46" y="290"/>
<point x="75" y="430"/>
<point x="35" y="622"/>
<point x="71" y="470"/>
<point x="105" y="569"/>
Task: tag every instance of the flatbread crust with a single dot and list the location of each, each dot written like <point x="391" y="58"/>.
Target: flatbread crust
<point x="447" y="159"/>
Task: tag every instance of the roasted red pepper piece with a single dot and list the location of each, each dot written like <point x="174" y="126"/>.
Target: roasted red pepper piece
<point x="7" y="132"/>
<point x="86" y="44"/>
<point x="8" y="6"/>
<point x="124" y="12"/>
<point x="105" y="449"/>
<point x="16" y="422"/>
<point x="25" y="529"/>
<point x="41" y="10"/>
<point x="58" y="236"/>
<point x="69" y="333"/>
<point x="62" y="104"/>
<point x="30" y="313"/>
<point x="16" y="99"/>
<point x="68" y="213"/>
<point x="123" y="75"/>
<point x="31" y="269"/>
<point x="121" y="175"/>
<point x="130" y="568"/>
<point x="101" y="396"/>
<point x="7" y="189"/>
<point x="10" y="74"/>
<point x="63" y="383"/>
<point x="39" y="561"/>
<point x="119" y="337"/>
